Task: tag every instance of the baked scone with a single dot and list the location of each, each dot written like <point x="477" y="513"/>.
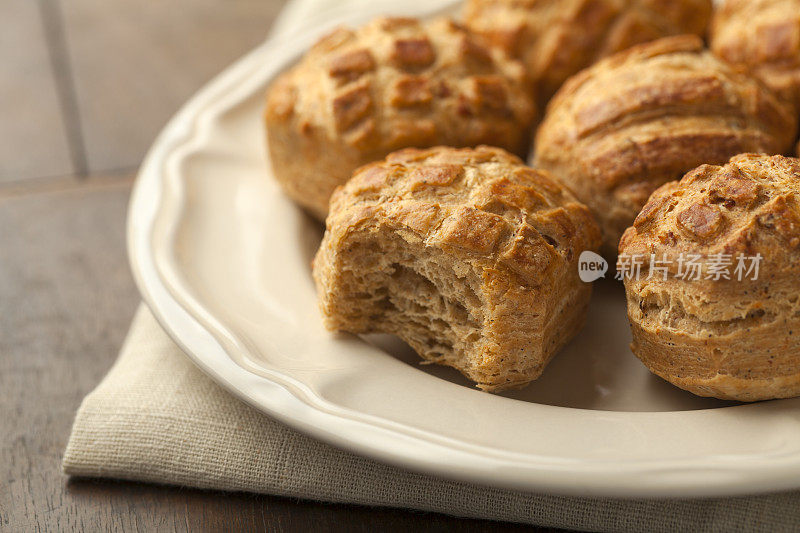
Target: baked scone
<point x="395" y="83"/>
<point x="634" y="121"/>
<point x="762" y="36"/>
<point x="466" y="254"/>
<point x="557" y="38"/>
<point x="736" y="338"/>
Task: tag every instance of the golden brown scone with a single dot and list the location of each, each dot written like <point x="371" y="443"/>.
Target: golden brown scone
<point x="634" y="121"/>
<point x="762" y="36"/>
<point x="395" y="83"/>
<point x="557" y="38"/>
<point x="725" y="338"/>
<point x="466" y="254"/>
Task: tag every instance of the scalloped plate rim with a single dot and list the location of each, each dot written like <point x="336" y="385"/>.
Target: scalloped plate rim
<point x="280" y="401"/>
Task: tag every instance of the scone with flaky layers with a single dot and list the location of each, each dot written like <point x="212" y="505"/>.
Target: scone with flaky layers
<point x="762" y="36"/>
<point x="620" y="129"/>
<point x="729" y="328"/>
<point x="358" y="95"/>
<point x="557" y="38"/>
<point x="466" y="254"/>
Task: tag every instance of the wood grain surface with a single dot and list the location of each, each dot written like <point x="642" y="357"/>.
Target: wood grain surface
<point x="85" y="86"/>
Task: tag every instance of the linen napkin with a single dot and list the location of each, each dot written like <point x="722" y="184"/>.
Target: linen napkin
<point x="157" y="418"/>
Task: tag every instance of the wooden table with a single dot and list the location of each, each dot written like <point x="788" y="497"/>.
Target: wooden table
<point x="85" y="85"/>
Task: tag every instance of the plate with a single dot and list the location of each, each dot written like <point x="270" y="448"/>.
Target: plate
<point x="223" y="260"/>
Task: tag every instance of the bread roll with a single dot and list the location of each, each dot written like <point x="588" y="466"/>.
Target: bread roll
<point x="762" y="36"/>
<point x="634" y="121"/>
<point x="467" y="255"/>
<point x="736" y="338"/>
<point x="557" y="38"/>
<point x="395" y="83"/>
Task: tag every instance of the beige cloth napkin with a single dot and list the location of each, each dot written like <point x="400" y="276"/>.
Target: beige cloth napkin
<point x="157" y="418"/>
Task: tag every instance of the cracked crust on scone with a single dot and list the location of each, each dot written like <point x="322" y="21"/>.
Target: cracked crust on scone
<point x="557" y="38"/>
<point x="395" y="83"/>
<point x="762" y="36"/>
<point x="644" y="117"/>
<point x="734" y="339"/>
<point x="468" y="255"/>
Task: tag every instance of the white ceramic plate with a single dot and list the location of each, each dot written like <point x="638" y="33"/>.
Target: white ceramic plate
<point x="222" y="259"/>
